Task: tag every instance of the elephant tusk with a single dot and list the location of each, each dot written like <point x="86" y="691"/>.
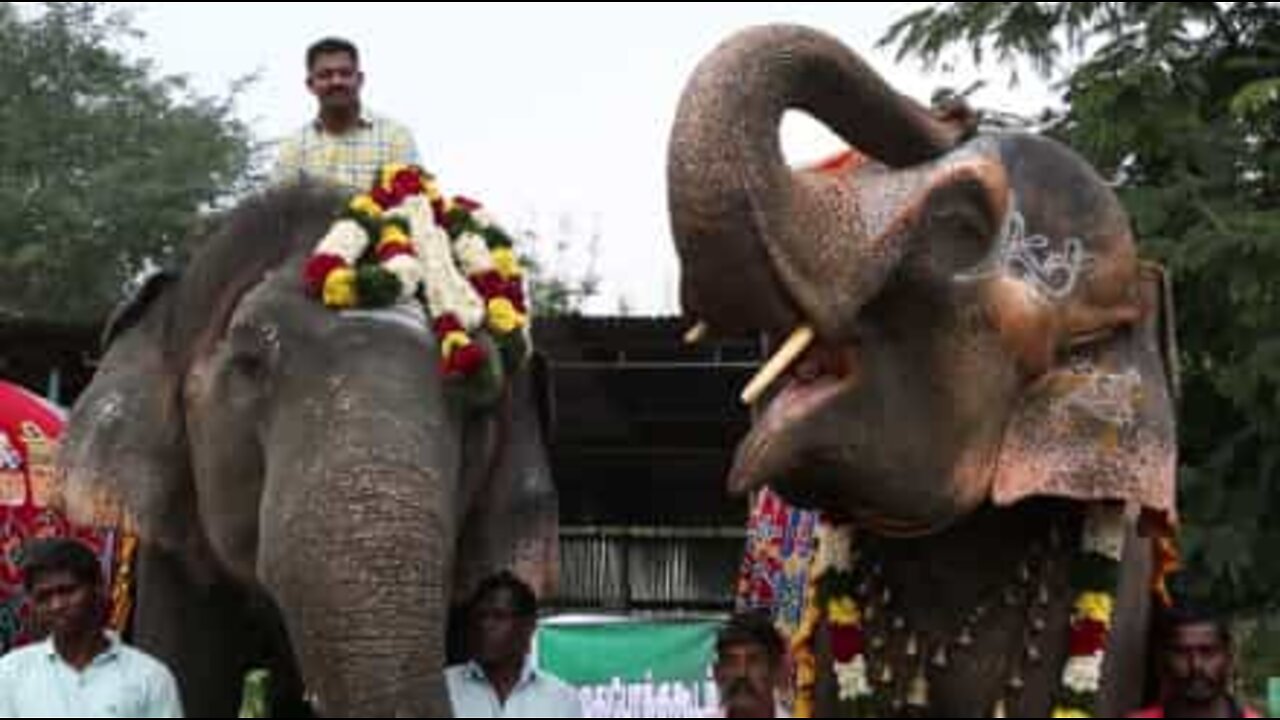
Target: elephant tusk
<point x="791" y="350"/>
<point x="697" y="333"/>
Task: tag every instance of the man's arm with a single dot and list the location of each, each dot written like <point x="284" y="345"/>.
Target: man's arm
<point x="288" y="167"/>
<point x="404" y="149"/>
<point x="8" y="685"/>
<point x="164" y="700"/>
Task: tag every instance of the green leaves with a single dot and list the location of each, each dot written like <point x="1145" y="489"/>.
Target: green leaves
<point x="107" y="166"/>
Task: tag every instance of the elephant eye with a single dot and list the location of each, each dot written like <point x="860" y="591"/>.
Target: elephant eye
<point x="252" y="349"/>
<point x="960" y="233"/>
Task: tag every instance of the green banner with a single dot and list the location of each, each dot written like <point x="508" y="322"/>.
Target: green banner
<point x="634" y="669"/>
<point x="1273" y="697"/>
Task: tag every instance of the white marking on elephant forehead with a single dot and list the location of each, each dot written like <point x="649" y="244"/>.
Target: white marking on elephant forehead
<point x="109" y="408"/>
<point x="410" y="315"/>
<point x="1052" y="268"/>
<point x="1109" y="397"/>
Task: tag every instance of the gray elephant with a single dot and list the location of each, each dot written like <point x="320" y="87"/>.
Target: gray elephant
<point x="976" y="380"/>
<point x="308" y="494"/>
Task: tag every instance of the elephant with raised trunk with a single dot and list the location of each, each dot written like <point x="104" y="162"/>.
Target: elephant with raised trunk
<point x="309" y="494"/>
<point x="978" y="379"/>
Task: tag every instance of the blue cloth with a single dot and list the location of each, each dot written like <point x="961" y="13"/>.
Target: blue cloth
<point x="122" y="682"/>
<point x="536" y="695"/>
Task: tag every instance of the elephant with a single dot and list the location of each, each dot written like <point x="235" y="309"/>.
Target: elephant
<point x="308" y="492"/>
<point x="978" y="366"/>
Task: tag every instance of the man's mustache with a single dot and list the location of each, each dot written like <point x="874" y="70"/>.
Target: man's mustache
<point x="740" y="686"/>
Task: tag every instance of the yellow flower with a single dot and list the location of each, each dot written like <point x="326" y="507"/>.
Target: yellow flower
<point x="434" y="194"/>
<point x="1069" y="712"/>
<point x="504" y="319"/>
<point x="340" y="288"/>
<point x="506" y="263"/>
<point x="1096" y="606"/>
<point x="364" y="205"/>
<point x="394" y="234"/>
<point x="453" y="342"/>
<point x="844" y="611"/>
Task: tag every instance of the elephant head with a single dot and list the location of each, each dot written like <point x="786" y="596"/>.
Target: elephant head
<point x="983" y="328"/>
<point x="309" y="464"/>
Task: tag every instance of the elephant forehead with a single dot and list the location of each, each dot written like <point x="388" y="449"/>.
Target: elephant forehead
<point x="410" y="316"/>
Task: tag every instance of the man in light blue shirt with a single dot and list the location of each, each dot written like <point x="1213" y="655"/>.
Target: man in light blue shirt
<point x="81" y="670"/>
<point x="500" y="681"/>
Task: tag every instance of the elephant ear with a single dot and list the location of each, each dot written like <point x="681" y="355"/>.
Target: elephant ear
<point x="512" y="517"/>
<point x="122" y="458"/>
<point x="1100" y="426"/>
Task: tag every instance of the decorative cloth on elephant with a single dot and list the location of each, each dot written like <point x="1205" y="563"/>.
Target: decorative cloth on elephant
<point x="29" y="428"/>
<point x="405" y="241"/>
<point x="781" y="541"/>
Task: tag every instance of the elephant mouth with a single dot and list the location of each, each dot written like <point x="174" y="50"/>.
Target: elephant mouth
<point x="811" y="383"/>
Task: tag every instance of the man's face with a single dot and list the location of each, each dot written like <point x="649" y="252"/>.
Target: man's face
<point x="498" y="634"/>
<point x="1198" y="663"/>
<point x="64" y="605"/>
<point x="746" y="679"/>
<point x="335" y="80"/>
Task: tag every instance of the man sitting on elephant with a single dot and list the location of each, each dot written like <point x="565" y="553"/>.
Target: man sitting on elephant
<point x="499" y="681"/>
<point x="1196" y="661"/>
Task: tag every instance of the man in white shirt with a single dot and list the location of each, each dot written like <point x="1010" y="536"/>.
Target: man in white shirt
<point x="750" y="661"/>
<point x="81" y="670"/>
<point x="500" y="680"/>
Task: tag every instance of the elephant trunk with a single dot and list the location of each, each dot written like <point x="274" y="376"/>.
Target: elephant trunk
<point x="361" y="568"/>
<point x="758" y="242"/>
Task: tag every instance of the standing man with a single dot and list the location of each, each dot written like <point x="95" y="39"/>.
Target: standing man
<point x="81" y="670"/>
<point x="749" y="667"/>
<point x="345" y="143"/>
<point x="1197" y="669"/>
<point x="500" y="681"/>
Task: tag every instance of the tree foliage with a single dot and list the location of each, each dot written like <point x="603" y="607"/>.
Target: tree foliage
<point x="1179" y="104"/>
<point x="106" y="164"/>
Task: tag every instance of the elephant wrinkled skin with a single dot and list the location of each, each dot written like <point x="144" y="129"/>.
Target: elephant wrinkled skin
<point x="306" y="492"/>
<point x="989" y="364"/>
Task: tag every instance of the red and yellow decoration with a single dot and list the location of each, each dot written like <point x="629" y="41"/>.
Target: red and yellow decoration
<point x="832" y="601"/>
<point x="29" y="431"/>
<point x="405" y="240"/>
<point x="1094" y="578"/>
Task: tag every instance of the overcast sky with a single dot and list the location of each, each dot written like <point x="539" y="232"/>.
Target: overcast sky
<point x="555" y="115"/>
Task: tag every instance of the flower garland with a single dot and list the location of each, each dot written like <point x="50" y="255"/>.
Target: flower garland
<point x="1095" y="575"/>
<point x="832" y="597"/>
<point x="444" y="252"/>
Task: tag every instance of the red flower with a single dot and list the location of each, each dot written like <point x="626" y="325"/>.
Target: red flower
<point x="847" y="642"/>
<point x="489" y="284"/>
<point x="446" y="324"/>
<point x="385" y="198"/>
<point x="1088" y="638"/>
<point x="515" y="293"/>
<point x="466" y="203"/>
<point x="317" y="270"/>
<point x="407" y="183"/>
<point x="464" y="361"/>
<point x="386" y="251"/>
<point x="437" y="209"/>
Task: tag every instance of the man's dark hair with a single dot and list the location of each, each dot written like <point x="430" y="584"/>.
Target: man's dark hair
<point x="752" y="627"/>
<point x="51" y="555"/>
<point x="1184" y="613"/>
<point x="523" y="600"/>
<point x="331" y="46"/>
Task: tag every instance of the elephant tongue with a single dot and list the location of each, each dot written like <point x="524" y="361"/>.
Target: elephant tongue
<point x="818" y="377"/>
